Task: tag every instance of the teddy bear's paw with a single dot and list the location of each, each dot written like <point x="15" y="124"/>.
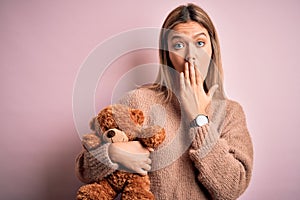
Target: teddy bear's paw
<point x="138" y="187"/>
<point x="138" y="195"/>
<point x="96" y="191"/>
<point x="152" y="136"/>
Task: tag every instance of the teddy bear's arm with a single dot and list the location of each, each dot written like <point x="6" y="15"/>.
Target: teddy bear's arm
<point x="91" y="141"/>
<point x="152" y="136"/>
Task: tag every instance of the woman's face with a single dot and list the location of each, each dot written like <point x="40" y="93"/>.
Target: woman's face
<point x="190" y="41"/>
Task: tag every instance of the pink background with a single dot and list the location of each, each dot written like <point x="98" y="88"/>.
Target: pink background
<point x="44" y="44"/>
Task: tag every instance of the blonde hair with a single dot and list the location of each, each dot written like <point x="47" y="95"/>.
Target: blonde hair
<point x="183" y="14"/>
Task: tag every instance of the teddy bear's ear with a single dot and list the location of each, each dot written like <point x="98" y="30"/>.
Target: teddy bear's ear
<point x="92" y="124"/>
<point x="137" y="116"/>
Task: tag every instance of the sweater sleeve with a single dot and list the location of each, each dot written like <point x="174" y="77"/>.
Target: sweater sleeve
<point x="223" y="157"/>
<point x="94" y="165"/>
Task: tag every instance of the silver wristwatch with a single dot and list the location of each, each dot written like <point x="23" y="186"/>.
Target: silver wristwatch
<point x="200" y="120"/>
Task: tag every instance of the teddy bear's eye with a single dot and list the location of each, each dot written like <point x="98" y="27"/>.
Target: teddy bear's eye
<point x="110" y="134"/>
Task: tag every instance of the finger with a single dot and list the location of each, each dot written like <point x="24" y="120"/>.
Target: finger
<point x="141" y="171"/>
<point x="141" y="156"/>
<point x="212" y="90"/>
<point x="199" y="77"/>
<point x="182" y="85"/>
<point x="146" y="167"/>
<point x="191" y="62"/>
<point x="192" y="74"/>
<point x="148" y="161"/>
<point x="186" y="72"/>
<point x="150" y="149"/>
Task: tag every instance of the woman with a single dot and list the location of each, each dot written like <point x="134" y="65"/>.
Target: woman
<point x="208" y="152"/>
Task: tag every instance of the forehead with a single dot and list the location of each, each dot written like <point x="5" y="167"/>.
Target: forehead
<point x="190" y="29"/>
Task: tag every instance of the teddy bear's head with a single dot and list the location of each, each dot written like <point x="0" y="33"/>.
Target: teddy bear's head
<point x="118" y="123"/>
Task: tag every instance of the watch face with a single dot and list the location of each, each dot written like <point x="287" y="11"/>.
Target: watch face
<point x="201" y="120"/>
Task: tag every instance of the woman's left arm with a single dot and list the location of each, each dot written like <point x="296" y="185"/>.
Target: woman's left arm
<point x="223" y="158"/>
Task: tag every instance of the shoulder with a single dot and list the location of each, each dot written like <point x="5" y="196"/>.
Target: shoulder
<point x="144" y="92"/>
<point x="228" y="105"/>
<point x="234" y="110"/>
<point x="233" y="105"/>
<point x="139" y="96"/>
<point x="226" y="109"/>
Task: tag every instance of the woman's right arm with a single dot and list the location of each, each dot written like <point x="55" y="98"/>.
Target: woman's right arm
<point x="94" y="165"/>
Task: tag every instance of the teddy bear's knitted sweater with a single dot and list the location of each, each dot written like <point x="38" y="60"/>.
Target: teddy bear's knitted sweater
<point x="210" y="162"/>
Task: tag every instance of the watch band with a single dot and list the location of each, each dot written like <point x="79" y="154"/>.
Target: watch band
<point x="193" y="123"/>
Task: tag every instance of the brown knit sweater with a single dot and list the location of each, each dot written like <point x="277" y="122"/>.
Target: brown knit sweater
<point x="210" y="162"/>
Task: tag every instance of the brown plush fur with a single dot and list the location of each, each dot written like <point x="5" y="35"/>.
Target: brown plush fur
<point x="128" y="121"/>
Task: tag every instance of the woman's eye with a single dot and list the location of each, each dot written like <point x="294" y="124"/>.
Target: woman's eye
<point x="200" y="44"/>
<point x="178" y="45"/>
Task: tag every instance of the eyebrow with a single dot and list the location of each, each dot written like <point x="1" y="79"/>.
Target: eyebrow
<point x="176" y="36"/>
<point x="199" y="34"/>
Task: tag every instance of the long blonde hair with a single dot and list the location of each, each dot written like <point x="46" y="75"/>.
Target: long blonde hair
<point x="183" y="14"/>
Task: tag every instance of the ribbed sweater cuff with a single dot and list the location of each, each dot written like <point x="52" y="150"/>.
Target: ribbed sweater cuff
<point x="204" y="139"/>
<point x="101" y="164"/>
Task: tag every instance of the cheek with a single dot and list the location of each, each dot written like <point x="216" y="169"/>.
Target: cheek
<point x="177" y="61"/>
<point x="203" y="64"/>
<point x="204" y="58"/>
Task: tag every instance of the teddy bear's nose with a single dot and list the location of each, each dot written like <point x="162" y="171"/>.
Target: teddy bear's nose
<point x="110" y="134"/>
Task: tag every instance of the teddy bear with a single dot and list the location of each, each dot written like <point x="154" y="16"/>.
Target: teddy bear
<point x="120" y="123"/>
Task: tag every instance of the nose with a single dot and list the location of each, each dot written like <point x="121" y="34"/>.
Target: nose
<point x="190" y="59"/>
<point x="110" y="134"/>
<point x="190" y="55"/>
